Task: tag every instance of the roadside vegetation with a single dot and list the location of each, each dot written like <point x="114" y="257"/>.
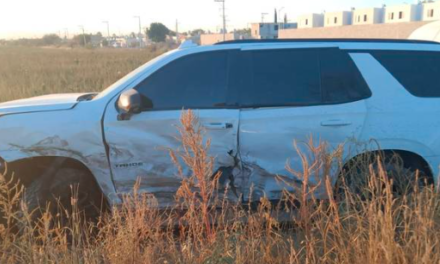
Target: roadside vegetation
<point x="33" y="71"/>
<point x="370" y="225"/>
<point x="374" y="225"/>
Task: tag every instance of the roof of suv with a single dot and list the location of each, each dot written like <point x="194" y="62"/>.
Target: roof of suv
<point x="403" y="41"/>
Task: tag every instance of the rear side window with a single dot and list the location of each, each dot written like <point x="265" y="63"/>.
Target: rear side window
<point x="417" y="71"/>
<point x="340" y="78"/>
<point x="282" y="78"/>
<point x="195" y="81"/>
<point x="295" y="77"/>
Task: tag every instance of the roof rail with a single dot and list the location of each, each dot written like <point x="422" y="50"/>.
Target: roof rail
<point x="256" y="41"/>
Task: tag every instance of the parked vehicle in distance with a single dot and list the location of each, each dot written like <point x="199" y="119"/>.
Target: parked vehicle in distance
<point x="253" y="98"/>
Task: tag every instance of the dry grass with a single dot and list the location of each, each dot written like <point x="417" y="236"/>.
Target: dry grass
<point x="204" y="228"/>
<point x="32" y="71"/>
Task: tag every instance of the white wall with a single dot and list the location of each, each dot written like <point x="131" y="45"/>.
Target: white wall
<point x="335" y="19"/>
<point x="368" y="16"/>
<point x="264" y="30"/>
<point x="431" y="11"/>
<point x="311" y="21"/>
<point x="402" y="13"/>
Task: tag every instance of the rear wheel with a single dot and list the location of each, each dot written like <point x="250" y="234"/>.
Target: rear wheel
<point x="405" y="174"/>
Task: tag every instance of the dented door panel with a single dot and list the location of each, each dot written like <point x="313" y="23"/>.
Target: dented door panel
<point x="139" y="148"/>
<point x="266" y="142"/>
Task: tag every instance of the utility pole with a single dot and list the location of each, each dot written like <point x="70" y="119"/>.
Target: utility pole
<point x="108" y="28"/>
<point x="279" y="14"/>
<point x="177" y="31"/>
<point x="84" y="35"/>
<point x="66" y="33"/>
<point x="140" y="31"/>
<point x="223" y="16"/>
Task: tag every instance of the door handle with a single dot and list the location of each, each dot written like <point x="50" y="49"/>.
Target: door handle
<point x="335" y="123"/>
<point x="217" y="126"/>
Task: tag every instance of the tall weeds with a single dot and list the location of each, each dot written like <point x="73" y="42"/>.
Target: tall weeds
<point x="203" y="227"/>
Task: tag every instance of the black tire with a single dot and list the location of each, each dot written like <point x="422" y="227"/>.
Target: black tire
<point x="58" y="195"/>
<point x="404" y="175"/>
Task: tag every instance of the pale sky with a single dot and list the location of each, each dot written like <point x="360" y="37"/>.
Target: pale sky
<point x="34" y="18"/>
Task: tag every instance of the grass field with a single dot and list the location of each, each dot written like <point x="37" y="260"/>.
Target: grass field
<point x="31" y="71"/>
<point x="377" y="227"/>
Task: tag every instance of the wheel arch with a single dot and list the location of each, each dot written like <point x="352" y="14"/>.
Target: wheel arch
<point x="409" y="158"/>
<point x="27" y="169"/>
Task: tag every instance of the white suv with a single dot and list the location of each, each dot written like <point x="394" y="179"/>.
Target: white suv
<point x="253" y="98"/>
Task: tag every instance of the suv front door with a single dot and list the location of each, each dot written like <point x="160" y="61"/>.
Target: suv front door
<point x="139" y="147"/>
<point x="289" y="95"/>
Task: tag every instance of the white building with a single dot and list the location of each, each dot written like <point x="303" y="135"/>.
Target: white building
<point x="269" y="30"/>
<point x="403" y="13"/>
<point x="335" y="19"/>
<point x="368" y="16"/>
<point x="431" y="11"/>
<point x="311" y="21"/>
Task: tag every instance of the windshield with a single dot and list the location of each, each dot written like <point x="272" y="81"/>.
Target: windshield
<point x="127" y="77"/>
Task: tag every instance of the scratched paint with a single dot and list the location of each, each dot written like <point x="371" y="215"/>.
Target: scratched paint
<point x="59" y="125"/>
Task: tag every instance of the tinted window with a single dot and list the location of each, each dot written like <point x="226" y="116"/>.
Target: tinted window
<point x="340" y="79"/>
<point x="281" y="77"/>
<point x="417" y="71"/>
<point x="194" y="81"/>
<point x="296" y="77"/>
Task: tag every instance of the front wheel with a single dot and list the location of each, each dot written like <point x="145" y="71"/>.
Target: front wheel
<point x="70" y="191"/>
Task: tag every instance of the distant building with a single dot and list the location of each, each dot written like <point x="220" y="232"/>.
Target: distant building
<point x="209" y="39"/>
<point x="368" y="16"/>
<point x="335" y="19"/>
<point x="311" y="21"/>
<point x="402" y="13"/>
<point x="269" y="30"/>
<point x="431" y="11"/>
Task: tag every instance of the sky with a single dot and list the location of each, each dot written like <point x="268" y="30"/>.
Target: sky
<point x="34" y="18"/>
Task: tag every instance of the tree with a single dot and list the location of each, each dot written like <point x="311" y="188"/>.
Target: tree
<point x="157" y="32"/>
<point x="80" y="39"/>
<point x="51" y="39"/>
<point x="197" y="32"/>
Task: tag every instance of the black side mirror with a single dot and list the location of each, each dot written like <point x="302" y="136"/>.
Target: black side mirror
<point x="129" y="103"/>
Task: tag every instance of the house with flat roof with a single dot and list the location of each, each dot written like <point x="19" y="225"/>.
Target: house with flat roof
<point x="269" y="30"/>
<point x="368" y="16"/>
<point x="402" y="13"/>
<point x="311" y="21"/>
<point x="431" y="11"/>
<point x="336" y="19"/>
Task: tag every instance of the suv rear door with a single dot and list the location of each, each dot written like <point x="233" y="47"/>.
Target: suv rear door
<point x="288" y="95"/>
<point x="139" y="147"/>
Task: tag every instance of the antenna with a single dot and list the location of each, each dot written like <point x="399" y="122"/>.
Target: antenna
<point x="223" y="16"/>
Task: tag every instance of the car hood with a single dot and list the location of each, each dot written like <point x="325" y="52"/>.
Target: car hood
<point x="53" y="102"/>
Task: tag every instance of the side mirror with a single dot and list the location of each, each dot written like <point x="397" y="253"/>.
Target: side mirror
<point x="129" y="103"/>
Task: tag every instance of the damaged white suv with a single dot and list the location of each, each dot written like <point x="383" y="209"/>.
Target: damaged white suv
<point x="253" y="98"/>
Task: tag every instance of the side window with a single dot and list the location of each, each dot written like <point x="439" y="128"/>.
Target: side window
<point x="194" y="81"/>
<point x="340" y="79"/>
<point x="417" y="71"/>
<point x="281" y="78"/>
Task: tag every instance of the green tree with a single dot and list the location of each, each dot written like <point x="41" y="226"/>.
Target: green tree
<point x="157" y="32"/>
<point x="51" y="39"/>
